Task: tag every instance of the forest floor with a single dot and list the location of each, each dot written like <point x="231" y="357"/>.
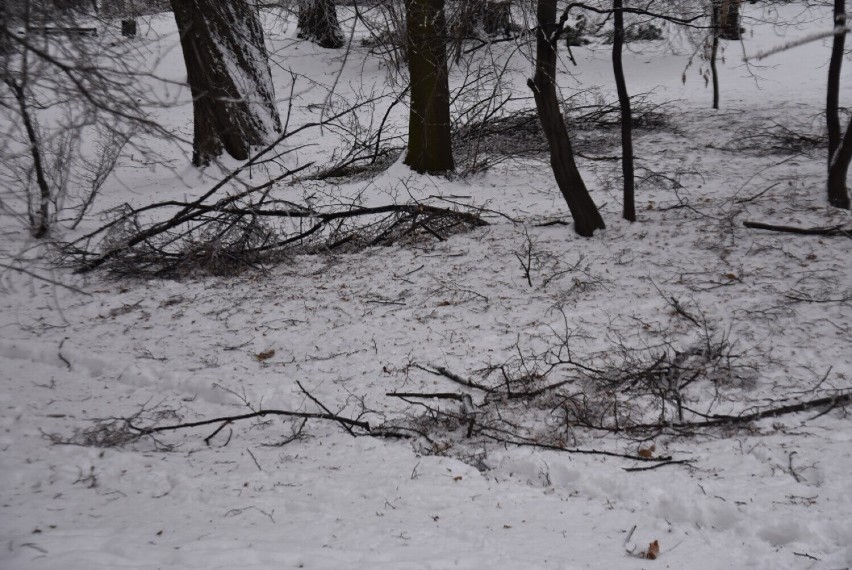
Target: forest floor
<point x="342" y="330"/>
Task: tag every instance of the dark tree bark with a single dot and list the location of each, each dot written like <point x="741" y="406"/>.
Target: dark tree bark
<point x="318" y="23"/>
<point x="839" y="151"/>
<point x="715" y="29"/>
<point x="497" y="18"/>
<point x="128" y="28"/>
<point x="833" y="98"/>
<point x="586" y="216"/>
<point x="228" y="73"/>
<point x="39" y="212"/>
<point x="629" y="212"/>
<point x="728" y="13"/>
<point x="4" y="29"/>
<point x="429" y="143"/>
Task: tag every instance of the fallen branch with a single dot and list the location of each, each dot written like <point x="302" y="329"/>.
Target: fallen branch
<point x="346" y="424"/>
<point x="441" y="371"/>
<point x="662" y="464"/>
<point x="226" y="236"/>
<point x="584" y="451"/>
<point x="837" y="230"/>
<point x="428" y="395"/>
<point x="723" y="420"/>
<point x="258" y="414"/>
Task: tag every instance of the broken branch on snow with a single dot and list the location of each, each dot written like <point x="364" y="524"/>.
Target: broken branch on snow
<point x="837" y="230"/>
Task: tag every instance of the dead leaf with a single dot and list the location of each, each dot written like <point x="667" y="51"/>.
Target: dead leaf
<point x="648" y="452"/>
<point x="653" y="550"/>
<point x="265" y="355"/>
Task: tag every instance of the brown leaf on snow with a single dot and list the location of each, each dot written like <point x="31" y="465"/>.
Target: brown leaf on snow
<point x="653" y="550"/>
<point x="265" y="355"/>
<point x="648" y="452"/>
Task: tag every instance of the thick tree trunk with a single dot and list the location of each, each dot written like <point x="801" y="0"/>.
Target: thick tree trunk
<point x="729" y="19"/>
<point x="626" y="113"/>
<point x="429" y="144"/>
<point x="4" y="29"/>
<point x="128" y="28"/>
<point x="587" y="219"/>
<point x="228" y="73"/>
<point x="318" y="23"/>
<point x="839" y="151"/>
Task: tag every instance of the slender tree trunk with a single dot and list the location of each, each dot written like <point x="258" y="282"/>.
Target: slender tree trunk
<point x="833" y="98"/>
<point x="714" y="50"/>
<point x="586" y="216"/>
<point x="837" y="174"/>
<point x="318" y="23"/>
<point x="228" y="72"/>
<point x="40" y="211"/>
<point x="429" y="143"/>
<point x="626" y="113"/>
<point x="839" y="151"/>
<point x="38" y="206"/>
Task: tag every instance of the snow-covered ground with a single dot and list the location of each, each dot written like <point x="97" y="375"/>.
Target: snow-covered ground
<point x="349" y="326"/>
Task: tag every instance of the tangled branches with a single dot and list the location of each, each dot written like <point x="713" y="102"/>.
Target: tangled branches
<point x="492" y="135"/>
<point x="232" y="235"/>
<point x="555" y="401"/>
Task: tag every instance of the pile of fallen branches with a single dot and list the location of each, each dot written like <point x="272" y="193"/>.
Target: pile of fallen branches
<point x="549" y="400"/>
<point x="500" y="135"/>
<point x="777" y="139"/>
<point x="248" y="229"/>
<point x="554" y="401"/>
<point x="536" y="409"/>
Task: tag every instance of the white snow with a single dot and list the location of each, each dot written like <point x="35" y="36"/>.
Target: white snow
<point x="773" y="496"/>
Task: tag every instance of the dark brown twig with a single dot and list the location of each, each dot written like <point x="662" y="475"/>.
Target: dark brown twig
<point x="441" y="371"/>
<point x="346" y="425"/>
<point x="837" y="230"/>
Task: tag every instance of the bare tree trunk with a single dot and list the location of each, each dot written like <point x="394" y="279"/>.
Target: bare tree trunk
<point x="497" y="18"/>
<point x="629" y="212"/>
<point x="833" y="98"/>
<point x="39" y="213"/>
<point x="586" y="216"/>
<point x="318" y="23"/>
<point x="38" y="206"/>
<point x="729" y="19"/>
<point x="714" y="50"/>
<point x="839" y="151"/>
<point x="128" y="28"/>
<point x="228" y="72"/>
<point x="4" y="29"/>
<point x="429" y="143"/>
